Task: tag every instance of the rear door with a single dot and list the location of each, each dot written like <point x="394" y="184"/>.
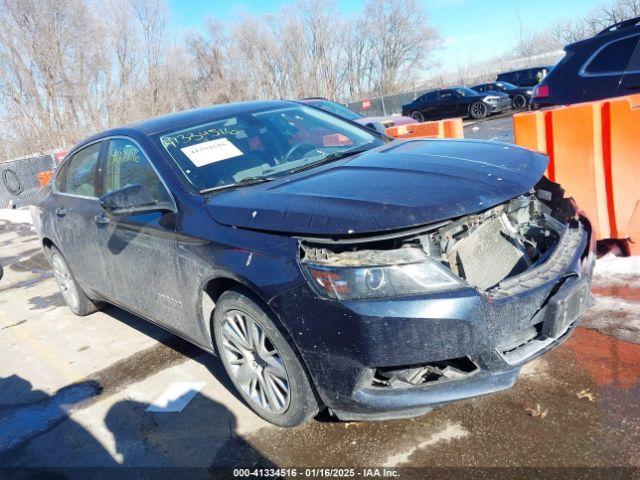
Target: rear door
<point x="138" y="250"/>
<point x="630" y="83"/>
<point x="427" y="104"/>
<point x="602" y="73"/>
<point x="76" y="187"/>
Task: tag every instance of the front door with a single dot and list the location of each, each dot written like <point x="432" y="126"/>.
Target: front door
<point x="447" y="103"/>
<point x="138" y="249"/>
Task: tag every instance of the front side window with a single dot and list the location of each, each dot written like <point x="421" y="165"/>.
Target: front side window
<point x="504" y="86"/>
<point x="465" y="92"/>
<point x="335" y="108"/>
<point x="77" y="176"/>
<point x="126" y="165"/>
<point x="261" y="144"/>
<point x="613" y="58"/>
<point x="429" y="97"/>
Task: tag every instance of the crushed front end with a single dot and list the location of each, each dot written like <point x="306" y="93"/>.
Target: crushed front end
<point x="393" y="325"/>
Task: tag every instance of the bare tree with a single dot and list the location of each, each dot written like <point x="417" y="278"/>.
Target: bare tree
<point x="71" y="67"/>
<point x="402" y="41"/>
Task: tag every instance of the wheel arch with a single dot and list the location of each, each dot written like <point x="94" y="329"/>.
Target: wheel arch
<point x="216" y="286"/>
<point x="47" y="243"/>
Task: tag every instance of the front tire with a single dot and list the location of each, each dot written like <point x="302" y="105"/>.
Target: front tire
<point x="417" y="116"/>
<point x="478" y="110"/>
<point x="73" y="295"/>
<point x="260" y="361"/>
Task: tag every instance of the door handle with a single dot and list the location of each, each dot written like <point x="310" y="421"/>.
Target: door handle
<point x="101" y="219"/>
<point x="61" y="212"/>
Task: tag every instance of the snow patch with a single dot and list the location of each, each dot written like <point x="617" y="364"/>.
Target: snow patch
<point x="614" y="316"/>
<point x="16" y="215"/>
<point x="451" y="431"/>
<point x="610" y="265"/>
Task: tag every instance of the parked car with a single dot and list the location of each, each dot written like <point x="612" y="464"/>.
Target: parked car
<point x="520" y="96"/>
<point x="456" y="102"/>
<point x="374" y="278"/>
<point x="527" y="77"/>
<point x="371" y="122"/>
<point x="604" y="66"/>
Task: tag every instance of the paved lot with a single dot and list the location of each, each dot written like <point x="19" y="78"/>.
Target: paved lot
<point x="498" y="128"/>
<point x="75" y="392"/>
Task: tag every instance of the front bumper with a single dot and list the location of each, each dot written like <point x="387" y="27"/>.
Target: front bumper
<point x="501" y="106"/>
<point x="344" y="343"/>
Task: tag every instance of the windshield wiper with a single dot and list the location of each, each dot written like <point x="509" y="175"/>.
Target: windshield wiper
<point x="329" y="158"/>
<point x="246" y="181"/>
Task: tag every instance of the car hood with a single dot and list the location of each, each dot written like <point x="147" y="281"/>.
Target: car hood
<point x="398" y="185"/>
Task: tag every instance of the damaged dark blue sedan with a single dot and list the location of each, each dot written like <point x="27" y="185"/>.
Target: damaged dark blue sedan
<point x="327" y="266"/>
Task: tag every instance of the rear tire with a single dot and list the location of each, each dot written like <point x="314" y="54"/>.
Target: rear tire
<point x="73" y="295"/>
<point x="417" y="116"/>
<point x="518" y="102"/>
<point x="260" y="361"/>
<point x="478" y="110"/>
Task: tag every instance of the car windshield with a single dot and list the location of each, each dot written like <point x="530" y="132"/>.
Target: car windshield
<point x="334" y="108"/>
<point x="465" y="92"/>
<point x="506" y="85"/>
<point x="260" y="144"/>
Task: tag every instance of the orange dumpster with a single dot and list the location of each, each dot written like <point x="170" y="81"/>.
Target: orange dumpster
<point x="594" y="153"/>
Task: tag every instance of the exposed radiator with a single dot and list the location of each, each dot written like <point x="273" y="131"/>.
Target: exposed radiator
<point x="487" y="255"/>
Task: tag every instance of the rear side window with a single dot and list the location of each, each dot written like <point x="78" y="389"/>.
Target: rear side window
<point x="78" y="174"/>
<point x="127" y="165"/>
<point x="429" y="97"/>
<point x="613" y="58"/>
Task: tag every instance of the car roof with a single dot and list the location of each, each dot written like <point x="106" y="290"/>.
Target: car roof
<point x="623" y="26"/>
<point x="184" y="119"/>
<point x="623" y="29"/>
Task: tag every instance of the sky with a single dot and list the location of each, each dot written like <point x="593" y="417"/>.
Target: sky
<point x="472" y="29"/>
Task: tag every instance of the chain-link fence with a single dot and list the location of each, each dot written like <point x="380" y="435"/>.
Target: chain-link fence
<point x="18" y="179"/>
<point x="387" y="105"/>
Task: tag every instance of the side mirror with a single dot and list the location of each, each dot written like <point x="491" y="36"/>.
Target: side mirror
<point x="133" y="198"/>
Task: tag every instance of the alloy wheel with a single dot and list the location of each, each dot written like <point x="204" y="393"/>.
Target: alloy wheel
<point x="519" y="102"/>
<point x="254" y="362"/>
<point x="65" y="281"/>
<point x="478" y="110"/>
<point x="417" y="116"/>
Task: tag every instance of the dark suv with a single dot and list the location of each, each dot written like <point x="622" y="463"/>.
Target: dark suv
<point x="607" y="65"/>
<point x="527" y="77"/>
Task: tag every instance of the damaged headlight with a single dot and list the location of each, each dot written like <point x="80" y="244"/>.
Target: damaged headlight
<point x="388" y="274"/>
